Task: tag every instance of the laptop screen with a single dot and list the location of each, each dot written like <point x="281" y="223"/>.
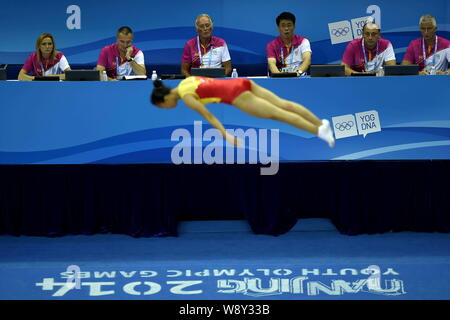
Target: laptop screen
<point x="401" y="70"/>
<point x="283" y="75"/>
<point x="3" y="74"/>
<point x="209" y="72"/>
<point x="327" y="70"/>
<point x="82" y="75"/>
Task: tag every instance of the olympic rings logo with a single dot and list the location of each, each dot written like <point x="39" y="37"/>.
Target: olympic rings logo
<point x="344" y="125"/>
<point x="340" y="31"/>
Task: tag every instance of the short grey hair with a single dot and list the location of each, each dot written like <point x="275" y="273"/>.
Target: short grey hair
<point x="202" y="15"/>
<point x="426" y="18"/>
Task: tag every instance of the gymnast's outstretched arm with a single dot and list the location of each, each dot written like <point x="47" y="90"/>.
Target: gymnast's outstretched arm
<point x="192" y="102"/>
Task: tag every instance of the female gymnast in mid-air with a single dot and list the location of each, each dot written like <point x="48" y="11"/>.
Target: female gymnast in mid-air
<point x="243" y="94"/>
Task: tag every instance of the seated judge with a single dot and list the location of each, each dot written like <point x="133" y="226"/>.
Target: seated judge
<point x="122" y="58"/>
<point x="369" y="53"/>
<point x="288" y="52"/>
<point x="430" y="52"/>
<point x="45" y="61"/>
<point x="205" y="50"/>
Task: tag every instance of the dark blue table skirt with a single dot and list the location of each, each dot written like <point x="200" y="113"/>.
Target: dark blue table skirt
<point x="145" y="200"/>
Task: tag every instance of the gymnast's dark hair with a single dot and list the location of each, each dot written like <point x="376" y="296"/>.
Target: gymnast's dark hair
<point x="159" y="92"/>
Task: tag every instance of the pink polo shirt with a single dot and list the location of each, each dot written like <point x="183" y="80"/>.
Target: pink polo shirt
<point x="50" y="66"/>
<point x="414" y="54"/>
<point x="211" y="57"/>
<point x="290" y="58"/>
<point x="354" y="57"/>
<point x="116" y="65"/>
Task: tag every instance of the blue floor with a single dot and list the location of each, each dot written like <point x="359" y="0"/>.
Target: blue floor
<point x="225" y="260"/>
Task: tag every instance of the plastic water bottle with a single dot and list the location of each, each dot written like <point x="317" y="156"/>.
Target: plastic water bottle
<point x="234" y="74"/>
<point x="380" y="72"/>
<point x="154" y="75"/>
<point x="104" y="76"/>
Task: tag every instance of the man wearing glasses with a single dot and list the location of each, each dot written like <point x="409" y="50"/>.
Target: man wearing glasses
<point x="205" y="50"/>
<point x="430" y="52"/>
<point x="369" y="53"/>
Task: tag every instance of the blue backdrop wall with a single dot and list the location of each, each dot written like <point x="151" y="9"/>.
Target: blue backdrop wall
<point x="374" y="118"/>
<point x="83" y="27"/>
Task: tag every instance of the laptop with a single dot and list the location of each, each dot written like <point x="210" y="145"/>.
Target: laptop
<point x="82" y="75"/>
<point x="172" y="76"/>
<point x="283" y="75"/>
<point x="209" y="72"/>
<point x="363" y="74"/>
<point x="327" y="70"/>
<point x="134" y="77"/>
<point x="45" y="78"/>
<point x="3" y="74"/>
<point x="401" y="70"/>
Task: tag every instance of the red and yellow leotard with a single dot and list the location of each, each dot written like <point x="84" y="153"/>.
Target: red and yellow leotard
<point x="210" y="90"/>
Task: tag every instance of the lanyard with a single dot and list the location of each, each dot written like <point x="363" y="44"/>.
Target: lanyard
<point x="364" y="53"/>
<point x="424" y="53"/>
<point x="200" y="53"/>
<point x="282" y="56"/>
<point x="42" y="67"/>
<point x="117" y="65"/>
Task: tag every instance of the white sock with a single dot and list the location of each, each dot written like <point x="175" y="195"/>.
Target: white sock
<point x="325" y="133"/>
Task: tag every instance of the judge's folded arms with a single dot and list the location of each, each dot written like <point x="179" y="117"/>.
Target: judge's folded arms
<point x="45" y="61"/>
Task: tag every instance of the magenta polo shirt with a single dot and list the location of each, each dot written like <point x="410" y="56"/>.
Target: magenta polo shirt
<point x="290" y="58"/>
<point x="50" y="66"/>
<point x="209" y="59"/>
<point x="354" y="57"/>
<point x="110" y="55"/>
<point x="414" y="54"/>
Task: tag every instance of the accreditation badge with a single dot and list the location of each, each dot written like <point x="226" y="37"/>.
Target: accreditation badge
<point x="371" y="65"/>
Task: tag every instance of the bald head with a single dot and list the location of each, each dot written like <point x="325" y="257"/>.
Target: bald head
<point x="372" y="26"/>
<point x="371" y="34"/>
